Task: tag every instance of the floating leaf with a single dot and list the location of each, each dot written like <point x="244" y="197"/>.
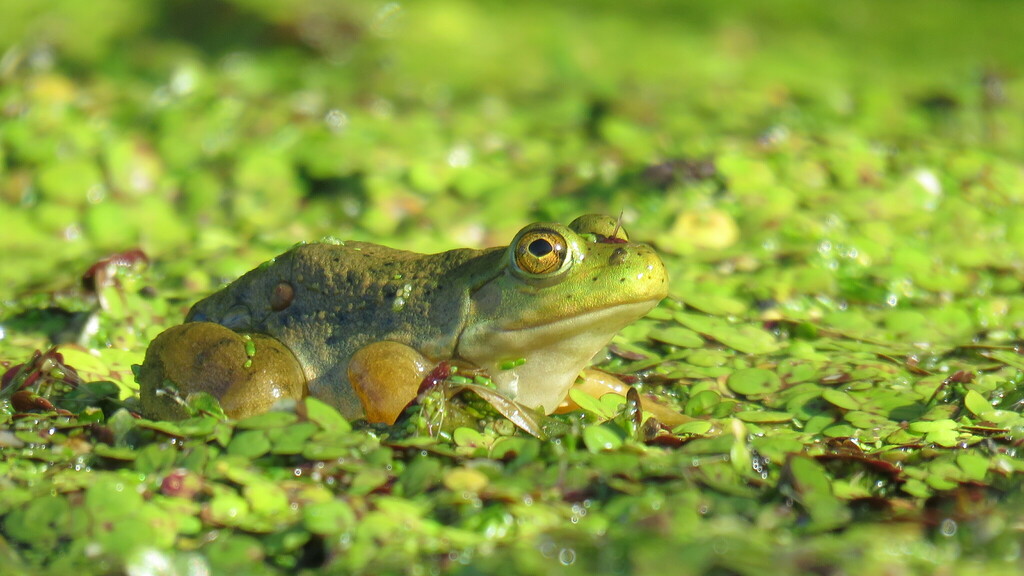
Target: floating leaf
<point x="754" y="381"/>
<point x="471" y="437"/>
<point x="976" y="403"/>
<point x="326" y="416"/>
<point x="250" y="443"/>
<point x="764" y="416"/>
<point x="744" y="338"/>
<point x="697" y="427"/>
<point x="702" y="402"/>
<point x="975" y="466"/>
<point x="811" y="487"/>
<point x="420" y="475"/>
<point x="266" y="420"/>
<point x="329" y="518"/>
<point x="601" y="438"/>
<point x="677" y="336"/>
<point x="468" y="480"/>
<point x="291" y="439"/>
<point x="840" y="399"/>
<point x="591" y="404"/>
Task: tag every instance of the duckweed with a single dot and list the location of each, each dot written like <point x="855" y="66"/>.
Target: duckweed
<point x="839" y="209"/>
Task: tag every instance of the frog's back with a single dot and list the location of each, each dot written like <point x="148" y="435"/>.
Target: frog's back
<point x="325" y="301"/>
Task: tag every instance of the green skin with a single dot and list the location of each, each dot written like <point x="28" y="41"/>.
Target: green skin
<point x="325" y="301"/>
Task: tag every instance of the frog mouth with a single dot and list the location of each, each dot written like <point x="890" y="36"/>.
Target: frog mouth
<point x="587" y="330"/>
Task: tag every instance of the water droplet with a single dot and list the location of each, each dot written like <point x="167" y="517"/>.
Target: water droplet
<point x="928" y="181"/>
<point x="460" y="156"/>
<point x="72" y="232"/>
<point x="336" y="119"/>
<point x="948" y="527"/>
<point x="567" y="556"/>
<point x="547" y="549"/>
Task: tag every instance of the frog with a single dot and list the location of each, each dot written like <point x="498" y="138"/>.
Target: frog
<point x="365" y="323"/>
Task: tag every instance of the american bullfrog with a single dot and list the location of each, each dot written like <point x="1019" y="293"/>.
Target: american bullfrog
<point x="365" y="322"/>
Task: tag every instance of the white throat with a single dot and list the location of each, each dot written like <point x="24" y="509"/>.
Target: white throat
<point x="555" y="353"/>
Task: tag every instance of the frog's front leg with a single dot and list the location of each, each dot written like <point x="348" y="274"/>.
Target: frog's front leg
<point x="386" y="377"/>
<point x="248" y="374"/>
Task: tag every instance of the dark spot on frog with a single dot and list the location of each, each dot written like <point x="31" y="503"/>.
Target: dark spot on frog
<point x="618" y="256"/>
<point x="282" y="297"/>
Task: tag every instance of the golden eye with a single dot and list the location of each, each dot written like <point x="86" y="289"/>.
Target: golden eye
<point x="540" y="251"/>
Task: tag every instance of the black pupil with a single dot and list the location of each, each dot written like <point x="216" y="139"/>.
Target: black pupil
<point x="541" y="247"/>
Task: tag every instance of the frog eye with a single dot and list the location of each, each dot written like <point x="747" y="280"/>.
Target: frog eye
<point x="541" y="251"/>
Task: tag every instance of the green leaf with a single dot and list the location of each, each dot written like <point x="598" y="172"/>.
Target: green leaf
<point x="590" y="404"/>
<point x="925" y="426"/>
<point x="228" y="508"/>
<point x="419" y="476"/>
<point x="812" y="488"/>
<point x="250" y="444"/>
<point x="702" y="402"/>
<point x="974" y="466"/>
<point x="599" y="438"/>
<point x="168" y="428"/>
<point x="976" y="403"/>
<point x="697" y="427"/>
<point x="764" y="416"/>
<point x="266" y="420"/>
<point x="754" y="381"/>
<point x="325" y="415"/>
<point x="464" y="436"/>
<point x="748" y="339"/>
<point x="291" y="439"/>
<point x="266" y="498"/>
<point x="677" y="336"/>
<point x="840" y="399"/>
<point x="329" y="518"/>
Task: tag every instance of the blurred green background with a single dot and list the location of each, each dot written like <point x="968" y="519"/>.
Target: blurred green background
<point x="206" y="129"/>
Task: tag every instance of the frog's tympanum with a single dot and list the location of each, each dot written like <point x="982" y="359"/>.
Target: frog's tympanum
<point x="365" y="323"/>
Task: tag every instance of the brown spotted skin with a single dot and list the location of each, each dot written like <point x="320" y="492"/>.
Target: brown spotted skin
<point x="345" y="297"/>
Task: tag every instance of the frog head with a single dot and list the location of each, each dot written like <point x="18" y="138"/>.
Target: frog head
<point x="561" y="294"/>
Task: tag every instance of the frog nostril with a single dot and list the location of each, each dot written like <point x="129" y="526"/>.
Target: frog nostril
<point x="618" y="256"/>
<point x="282" y="297"/>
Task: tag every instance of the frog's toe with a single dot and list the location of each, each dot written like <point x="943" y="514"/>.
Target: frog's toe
<point x="249" y="374"/>
<point x="386" y="376"/>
